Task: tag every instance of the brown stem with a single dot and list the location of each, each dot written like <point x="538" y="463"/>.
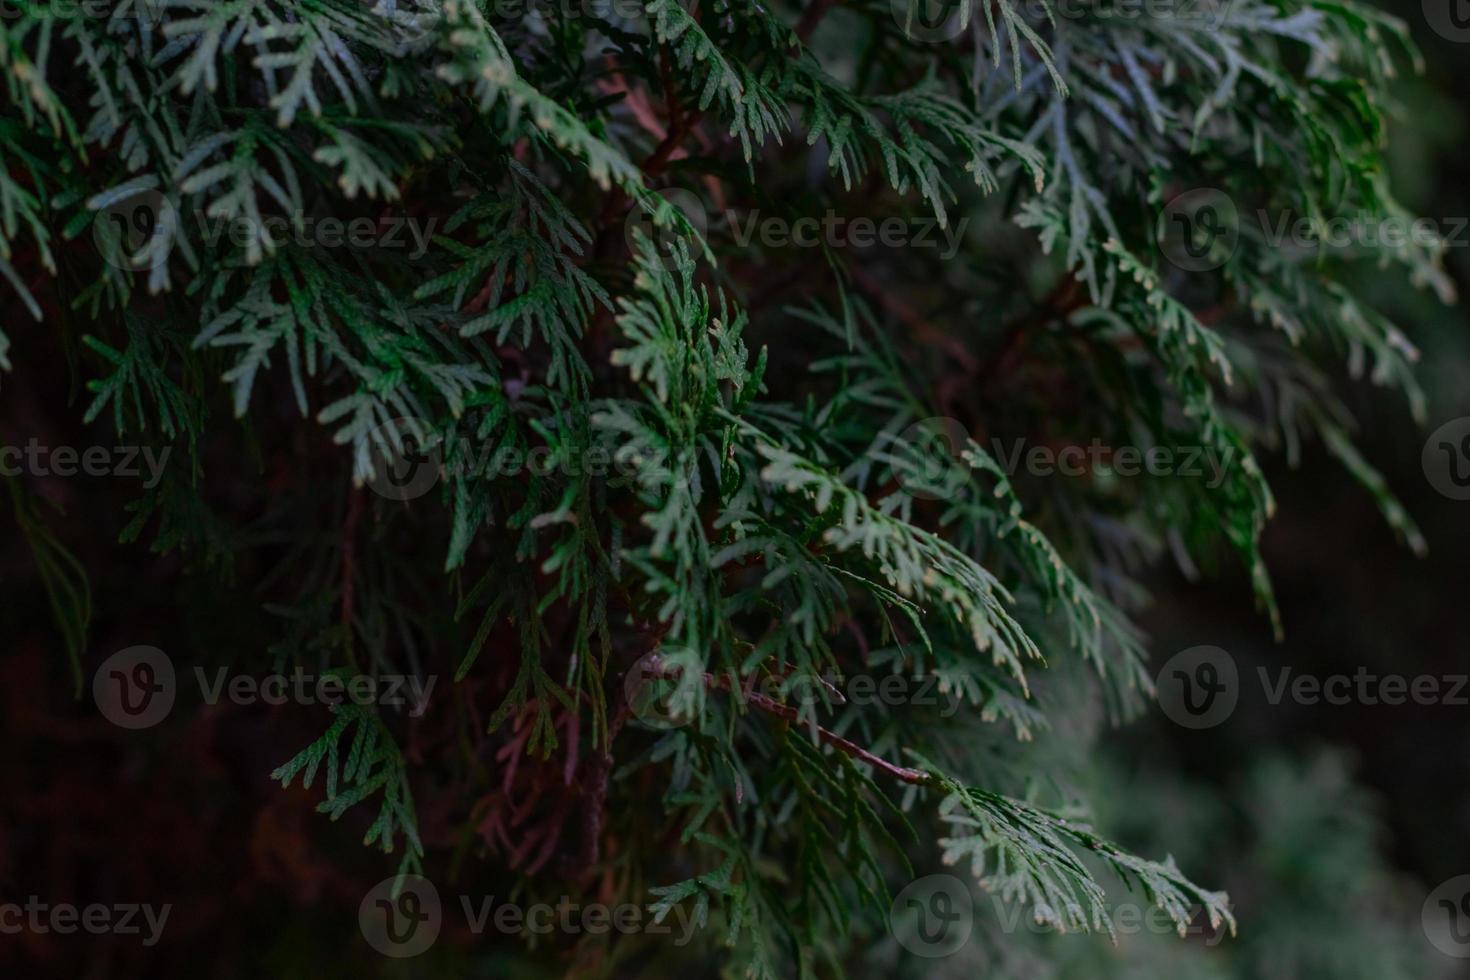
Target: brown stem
<point x="771" y="706"/>
<point x="659" y="159"/>
<point x="1065" y="299"/>
<point x="917" y="777"/>
<point x="923" y="329"/>
<point x="812" y="17"/>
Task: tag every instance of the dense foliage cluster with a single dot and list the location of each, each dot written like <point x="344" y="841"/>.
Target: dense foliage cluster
<point x="553" y="269"/>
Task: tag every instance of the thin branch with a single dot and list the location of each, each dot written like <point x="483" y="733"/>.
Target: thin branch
<point x="915" y="777"/>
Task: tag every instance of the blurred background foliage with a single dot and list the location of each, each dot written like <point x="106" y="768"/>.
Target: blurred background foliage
<point x="1357" y="812"/>
<point x="1328" y="825"/>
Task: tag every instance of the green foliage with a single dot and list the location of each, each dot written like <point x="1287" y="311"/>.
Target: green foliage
<point x="1031" y="853"/>
<point x="766" y="515"/>
<point x="68" y="590"/>
<point x="373" y="766"/>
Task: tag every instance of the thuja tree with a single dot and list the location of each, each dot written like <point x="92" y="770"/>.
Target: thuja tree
<point x="651" y="373"/>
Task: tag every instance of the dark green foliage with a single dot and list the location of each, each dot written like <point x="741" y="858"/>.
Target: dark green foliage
<point x="768" y="516"/>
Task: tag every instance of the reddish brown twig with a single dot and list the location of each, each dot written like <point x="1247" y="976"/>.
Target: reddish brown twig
<point x="664" y="152"/>
<point x="923" y="329"/>
<point x="917" y="777"/>
<point x="786" y="712"/>
<point x="811" y="18"/>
